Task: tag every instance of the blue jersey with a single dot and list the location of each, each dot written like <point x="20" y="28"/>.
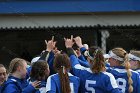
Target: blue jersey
<point x="14" y="85"/>
<point x="81" y="57"/>
<point x="1" y="86"/>
<point x="90" y="82"/>
<point x="83" y="61"/>
<point x="138" y="70"/>
<point x="41" y="88"/>
<point x="53" y="84"/>
<point x="121" y="77"/>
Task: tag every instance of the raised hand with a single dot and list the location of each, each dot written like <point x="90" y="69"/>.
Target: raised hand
<point x="69" y="42"/>
<point x="78" y="41"/>
<point x="50" y="45"/>
<point x="36" y="84"/>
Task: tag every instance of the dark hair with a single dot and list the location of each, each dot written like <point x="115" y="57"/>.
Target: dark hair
<point x="39" y="69"/>
<point x="98" y="62"/>
<point x="62" y="65"/>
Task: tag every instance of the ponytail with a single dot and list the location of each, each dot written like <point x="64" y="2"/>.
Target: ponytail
<point x="98" y="62"/>
<point x="62" y="65"/>
<point x="129" y="74"/>
<point x="123" y="54"/>
<point x="64" y="80"/>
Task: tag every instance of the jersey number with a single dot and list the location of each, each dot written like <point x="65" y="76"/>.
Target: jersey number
<point x="121" y="84"/>
<point x="88" y="88"/>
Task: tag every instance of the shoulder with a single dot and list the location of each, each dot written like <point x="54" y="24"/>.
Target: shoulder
<point x="52" y="78"/>
<point x="11" y="85"/>
<point x="135" y="75"/>
<point x="110" y="78"/>
<point x="11" y="82"/>
<point x="78" y="66"/>
<point x="73" y="77"/>
<point x="107" y="74"/>
<point x="134" y="72"/>
<point x="138" y="70"/>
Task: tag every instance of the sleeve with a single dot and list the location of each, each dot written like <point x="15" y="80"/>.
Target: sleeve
<point x="50" y="86"/>
<point x="44" y="56"/>
<point x="81" y="57"/>
<point x="74" y="60"/>
<point x="77" y="69"/>
<point x="83" y="63"/>
<point x="82" y="49"/>
<point x="50" y="62"/>
<point x="109" y="69"/>
<point x="49" y="57"/>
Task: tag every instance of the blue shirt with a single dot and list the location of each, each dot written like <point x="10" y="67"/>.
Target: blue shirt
<point x="90" y="82"/>
<point x="121" y="77"/>
<point x="1" y="86"/>
<point x="138" y="70"/>
<point x="15" y="85"/>
<point x="53" y="84"/>
<point x="83" y="61"/>
<point x="42" y="87"/>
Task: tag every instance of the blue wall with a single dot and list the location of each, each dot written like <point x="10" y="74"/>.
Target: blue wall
<point x="67" y="6"/>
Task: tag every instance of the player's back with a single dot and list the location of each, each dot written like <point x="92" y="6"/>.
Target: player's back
<point x="102" y="82"/>
<point x="121" y="77"/>
<point x="54" y="84"/>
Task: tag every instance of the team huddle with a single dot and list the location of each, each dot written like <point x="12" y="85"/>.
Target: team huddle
<point x="81" y="70"/>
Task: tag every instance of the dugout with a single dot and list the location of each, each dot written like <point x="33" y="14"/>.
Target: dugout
<point x="29" y="42"/>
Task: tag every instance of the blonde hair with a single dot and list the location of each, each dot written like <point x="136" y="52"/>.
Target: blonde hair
<point x="14" y="64"/>
<point x="1" y="65"/>
<point x="136" y="53"/>
<point x="98" y="58"/>
<point x="123" y="54"/>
